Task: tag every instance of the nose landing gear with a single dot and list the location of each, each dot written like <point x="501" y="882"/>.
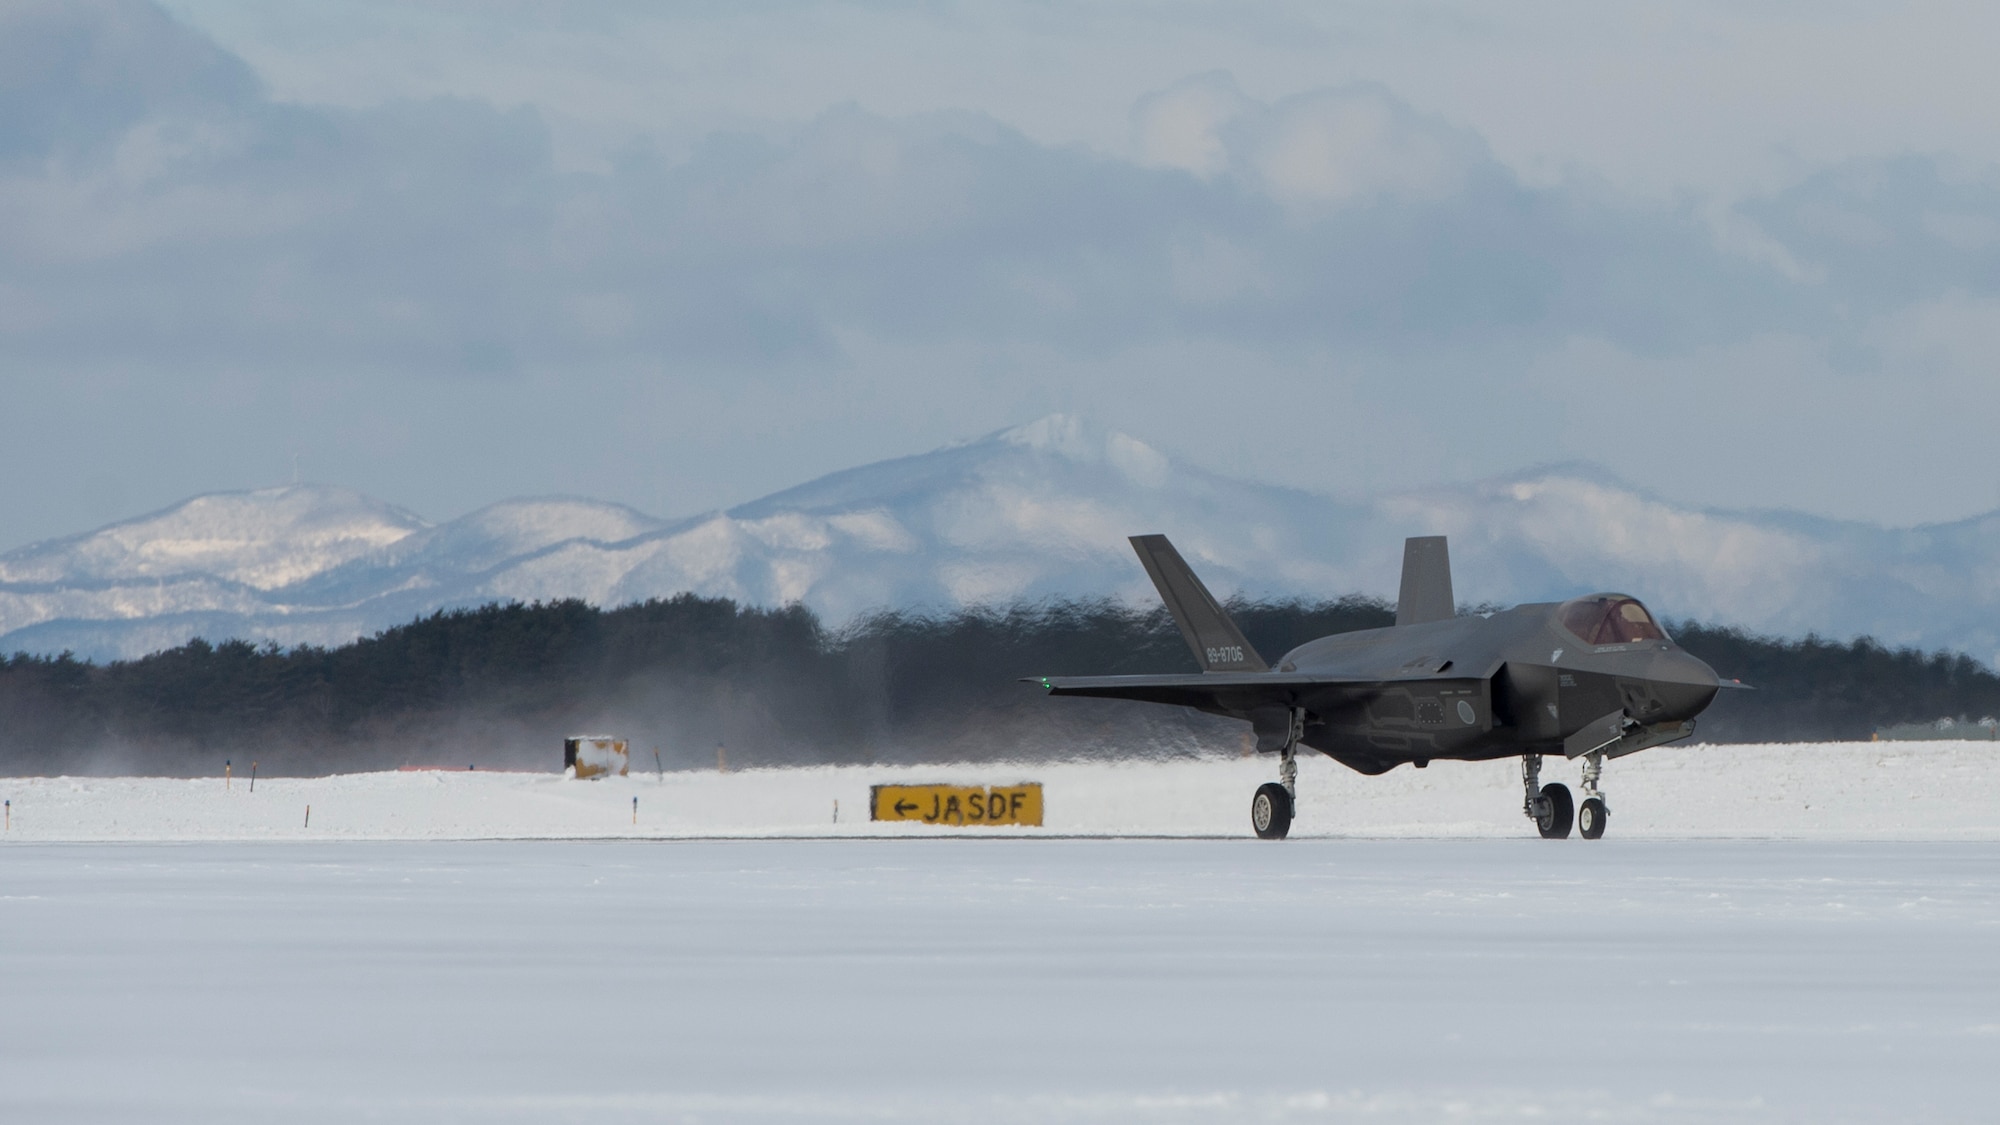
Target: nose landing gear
<point x="1590" y="816"/>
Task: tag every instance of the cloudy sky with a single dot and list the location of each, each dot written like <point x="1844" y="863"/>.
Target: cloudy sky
<point x="447" y="251"/>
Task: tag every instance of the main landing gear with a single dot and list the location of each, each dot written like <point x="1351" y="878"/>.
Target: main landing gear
<point x="1271" y="807"/>
<point x="1551" y="807"/>
<point x="1271" y="811"/>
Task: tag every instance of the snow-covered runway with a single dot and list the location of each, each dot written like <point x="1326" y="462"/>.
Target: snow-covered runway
<point x="996" y="979"/>
<point x="1856" y="790"/>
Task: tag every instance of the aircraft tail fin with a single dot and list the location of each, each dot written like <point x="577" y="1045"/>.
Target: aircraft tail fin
<point x="1426" y="592"/>
<point x="1218" y="644"/>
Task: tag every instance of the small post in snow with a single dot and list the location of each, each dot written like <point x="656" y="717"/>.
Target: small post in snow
<point x="836" y="810"/>
<point x="659" y="765"/>
<point x="225" y="775"/>
<point x="10" y="814"/>
<point x="253" y="777"/>
<point x="635" y="810"/>
<point x="309" y="816"/>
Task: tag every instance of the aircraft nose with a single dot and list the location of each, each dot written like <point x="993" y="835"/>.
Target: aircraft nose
<point x="1686" y="685"/>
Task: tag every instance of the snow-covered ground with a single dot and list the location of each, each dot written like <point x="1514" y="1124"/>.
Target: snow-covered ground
<point x="994" y="980"/>
<point x="1900" y="790"/>
<point x="174" y="951"/>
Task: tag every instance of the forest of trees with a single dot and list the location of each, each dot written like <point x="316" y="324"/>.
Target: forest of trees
<point x="499" y="686"/>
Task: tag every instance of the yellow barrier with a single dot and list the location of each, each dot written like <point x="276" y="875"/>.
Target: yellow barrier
<point x="958" y="805"/>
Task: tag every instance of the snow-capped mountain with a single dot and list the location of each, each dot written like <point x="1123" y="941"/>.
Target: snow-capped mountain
<point x="1037" y="511"/>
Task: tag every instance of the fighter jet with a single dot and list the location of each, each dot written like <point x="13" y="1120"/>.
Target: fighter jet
<point x="1595" y="677"/>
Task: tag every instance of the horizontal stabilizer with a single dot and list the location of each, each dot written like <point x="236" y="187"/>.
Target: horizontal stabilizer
<point x="1218" y="644"/>
<point x="1426" y="592"/>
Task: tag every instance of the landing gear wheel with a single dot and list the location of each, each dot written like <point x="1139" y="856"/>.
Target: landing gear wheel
<point x="1558" y="810"/>
<point x="1271" y="811"/>
<point x="1590" y="818"/>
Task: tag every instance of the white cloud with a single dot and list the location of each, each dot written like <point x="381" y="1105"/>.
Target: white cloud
<point x="1355" y="145"/>
<point x="438" y="238"/>
<point x="1182" y="126"/>
<point x="1335" y="147"/>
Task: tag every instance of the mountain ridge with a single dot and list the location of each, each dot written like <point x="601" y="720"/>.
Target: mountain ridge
<point x="1031" y="512"/>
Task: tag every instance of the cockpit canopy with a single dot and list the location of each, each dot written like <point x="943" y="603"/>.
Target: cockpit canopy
<point x="1609" y="619"/>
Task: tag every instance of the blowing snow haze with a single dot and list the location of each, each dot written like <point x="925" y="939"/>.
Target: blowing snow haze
<point x="680" y="257"/>
<point x="1027" y="514"/>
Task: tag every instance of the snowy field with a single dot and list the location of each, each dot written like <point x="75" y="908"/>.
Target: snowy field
<point x="1782" y="933"/>
<point x="1849" y="791"/>
<point x="995" y="980"/>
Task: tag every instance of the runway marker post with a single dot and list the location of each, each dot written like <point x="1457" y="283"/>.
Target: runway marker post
<point x="10" y="814"/>
<point x="309" y="816"/>
<point x="225" y="775"/>
<point x="836" y="810"/>
<point x="253" y="777"/>
<point x="635" y="810"/>
<point x="659" y="765"/>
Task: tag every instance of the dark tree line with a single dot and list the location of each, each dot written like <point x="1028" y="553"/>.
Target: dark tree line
<point x="499" y="686"/>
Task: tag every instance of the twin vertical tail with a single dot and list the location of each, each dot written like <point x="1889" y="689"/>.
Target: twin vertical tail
<point x="1218" y="644"/>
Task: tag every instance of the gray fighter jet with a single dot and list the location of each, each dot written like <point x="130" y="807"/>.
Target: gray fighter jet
<point x="1592" y="678"/>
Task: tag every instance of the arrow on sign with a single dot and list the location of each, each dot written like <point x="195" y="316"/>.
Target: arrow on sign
<point x="905" y="808"/>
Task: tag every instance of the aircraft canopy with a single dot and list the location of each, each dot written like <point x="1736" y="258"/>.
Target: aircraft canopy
<point x="1609" y="619"/>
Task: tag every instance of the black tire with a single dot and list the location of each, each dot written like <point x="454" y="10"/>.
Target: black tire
<point x="1562" y="811"/>
<point x="1271" y="811"/>
<point x="1590" y="818"/>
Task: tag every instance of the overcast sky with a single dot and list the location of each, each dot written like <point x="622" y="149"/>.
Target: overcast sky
<point x="679" y="256"/>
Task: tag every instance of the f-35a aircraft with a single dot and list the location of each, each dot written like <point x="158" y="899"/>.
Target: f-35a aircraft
<point x="1592" y="678"/>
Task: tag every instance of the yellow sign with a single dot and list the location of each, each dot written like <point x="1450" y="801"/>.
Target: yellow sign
<point x="959" y="805"/>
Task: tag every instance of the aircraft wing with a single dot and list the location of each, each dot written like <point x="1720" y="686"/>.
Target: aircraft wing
<point x="1210" y="690"/>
